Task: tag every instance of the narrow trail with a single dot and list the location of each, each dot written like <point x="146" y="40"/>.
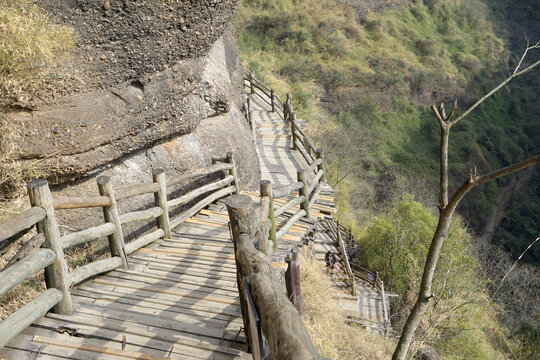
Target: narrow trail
<point x="179" y="297"/>
<point x="178" y="300"/>
<point x="279" y="164"/>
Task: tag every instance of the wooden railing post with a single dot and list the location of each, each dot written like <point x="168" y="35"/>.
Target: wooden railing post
<point x="248" y="110"/>
<point x="56" y="274"/>
<point x="110" y="214"/>
<point x="301" y="176"/>
<point x="292" y="282"/>
<point x="160" y="199"/>
<point x="285" y="331"/>
<point x="376" y="280"/>
<point x="251" y="86"/>
<point x="266" y="190"/>
<point x="272" y="100"/>
<point x="230" y="160"/>
<point x="287" y="106"/>
<point x="242" y="221"/>
<point x="293" y="130"/>
<point x="320" y="155"/>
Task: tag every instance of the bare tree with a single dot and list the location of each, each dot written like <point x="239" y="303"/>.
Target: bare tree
<point x="447" y="206"/>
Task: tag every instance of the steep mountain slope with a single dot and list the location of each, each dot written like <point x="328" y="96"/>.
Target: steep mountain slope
<point x="374" y="72"/>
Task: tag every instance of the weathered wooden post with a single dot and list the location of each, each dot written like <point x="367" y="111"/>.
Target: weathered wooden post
<point x="304" y="205"/>
<point x="242" y="221"/>
<point x="160" y="199"/>
<point x="252" y="88"/>
<point x="376" y="280"/>
<point x="230" y="160"/>
<point x="292" y="282"/>
<point x="56" y="274"/>
<point x="110" y="214"/>
<point x="320" y="155"/>
<point x="250" y="120"/>
<point x="285" y="331"/>
<point x="293" y="130"/>
<point x="287" y="107"/>
<point x="266" y="190"/>
<point x="272" y="100"/>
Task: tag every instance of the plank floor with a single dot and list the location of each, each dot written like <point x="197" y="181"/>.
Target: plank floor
<point x="179" y="299"/>
<point x="367" y="307"/>
<point x="279" y="164"/>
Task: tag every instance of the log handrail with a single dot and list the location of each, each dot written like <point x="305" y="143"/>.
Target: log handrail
<point x="289" y="205"/>
<point x="65" y="203"/>
<point x="87" y="235"/>
<point x="17" y="226"/>
<point x="33" y="310"/>
<point x="290" y="223"/>
<point x="42" y="213"/>
<point x="284" y="190"/>
<point x="200" y="173"/>
<point x="27" y="267"/>
<point x="200" y="191"/>
<point x="282" y="325"/>
<point x="135" y="190"/>
<point x="348" y="269"/>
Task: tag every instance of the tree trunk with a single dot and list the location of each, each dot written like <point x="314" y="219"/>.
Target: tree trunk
<point x="445" y="218"/>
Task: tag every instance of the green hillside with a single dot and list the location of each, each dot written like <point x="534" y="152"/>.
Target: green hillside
<point x="364" y="79"/>
<point x="374" y="75"/>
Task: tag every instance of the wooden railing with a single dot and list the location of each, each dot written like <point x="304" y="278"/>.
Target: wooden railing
<point x="272" y="319"/>
<point x="346" y="244"/>
<point x="337" y="231"/>
<point x="309" y="180"/>
<point x="374" y="280"/>
<point x="50" y="256"/>
<point x="300" y="140"/>
<point x="256" y="236"/>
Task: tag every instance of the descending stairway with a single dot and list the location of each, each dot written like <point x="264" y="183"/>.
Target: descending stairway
<point x="279" y="164"/>
<point x="367" y="307"/>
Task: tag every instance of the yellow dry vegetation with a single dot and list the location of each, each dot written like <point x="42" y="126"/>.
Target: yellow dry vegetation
<point x="332" y="336"/>
<point x="31" y="49"/>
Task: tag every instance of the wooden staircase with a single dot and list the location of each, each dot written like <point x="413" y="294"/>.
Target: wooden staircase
<point x="279" y="164"/>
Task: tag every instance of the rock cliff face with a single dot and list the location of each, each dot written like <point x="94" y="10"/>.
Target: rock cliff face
<point x="152" y="84"/>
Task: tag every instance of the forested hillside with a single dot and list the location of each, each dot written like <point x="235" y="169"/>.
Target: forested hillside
<point x="364" y="74"/>
<point x="375" y="74"/>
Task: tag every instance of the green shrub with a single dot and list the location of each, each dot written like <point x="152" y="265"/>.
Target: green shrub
<point x="462" y="322"/>
<point x="470" y="62"/>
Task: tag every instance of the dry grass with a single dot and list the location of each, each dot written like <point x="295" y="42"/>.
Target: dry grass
<point x="31" y="49"/>
<point x="332" y="336"/>
<point x="13" y="173"/>
<point x="20" y="295"/>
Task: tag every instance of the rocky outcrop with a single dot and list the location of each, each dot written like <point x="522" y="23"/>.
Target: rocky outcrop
<point x="144" y="75"/>
<point x="152" y="84"/>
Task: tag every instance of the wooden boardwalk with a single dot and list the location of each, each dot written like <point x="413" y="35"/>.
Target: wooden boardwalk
<point x="367" y="307"/>
<point x="279" y="164"/>
<point x="179" y="298"/>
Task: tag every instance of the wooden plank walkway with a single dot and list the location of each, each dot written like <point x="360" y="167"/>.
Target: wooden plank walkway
<point x="367" y="307"/>
<point x="279" y="164"/>
<point x="178" y="300"/>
